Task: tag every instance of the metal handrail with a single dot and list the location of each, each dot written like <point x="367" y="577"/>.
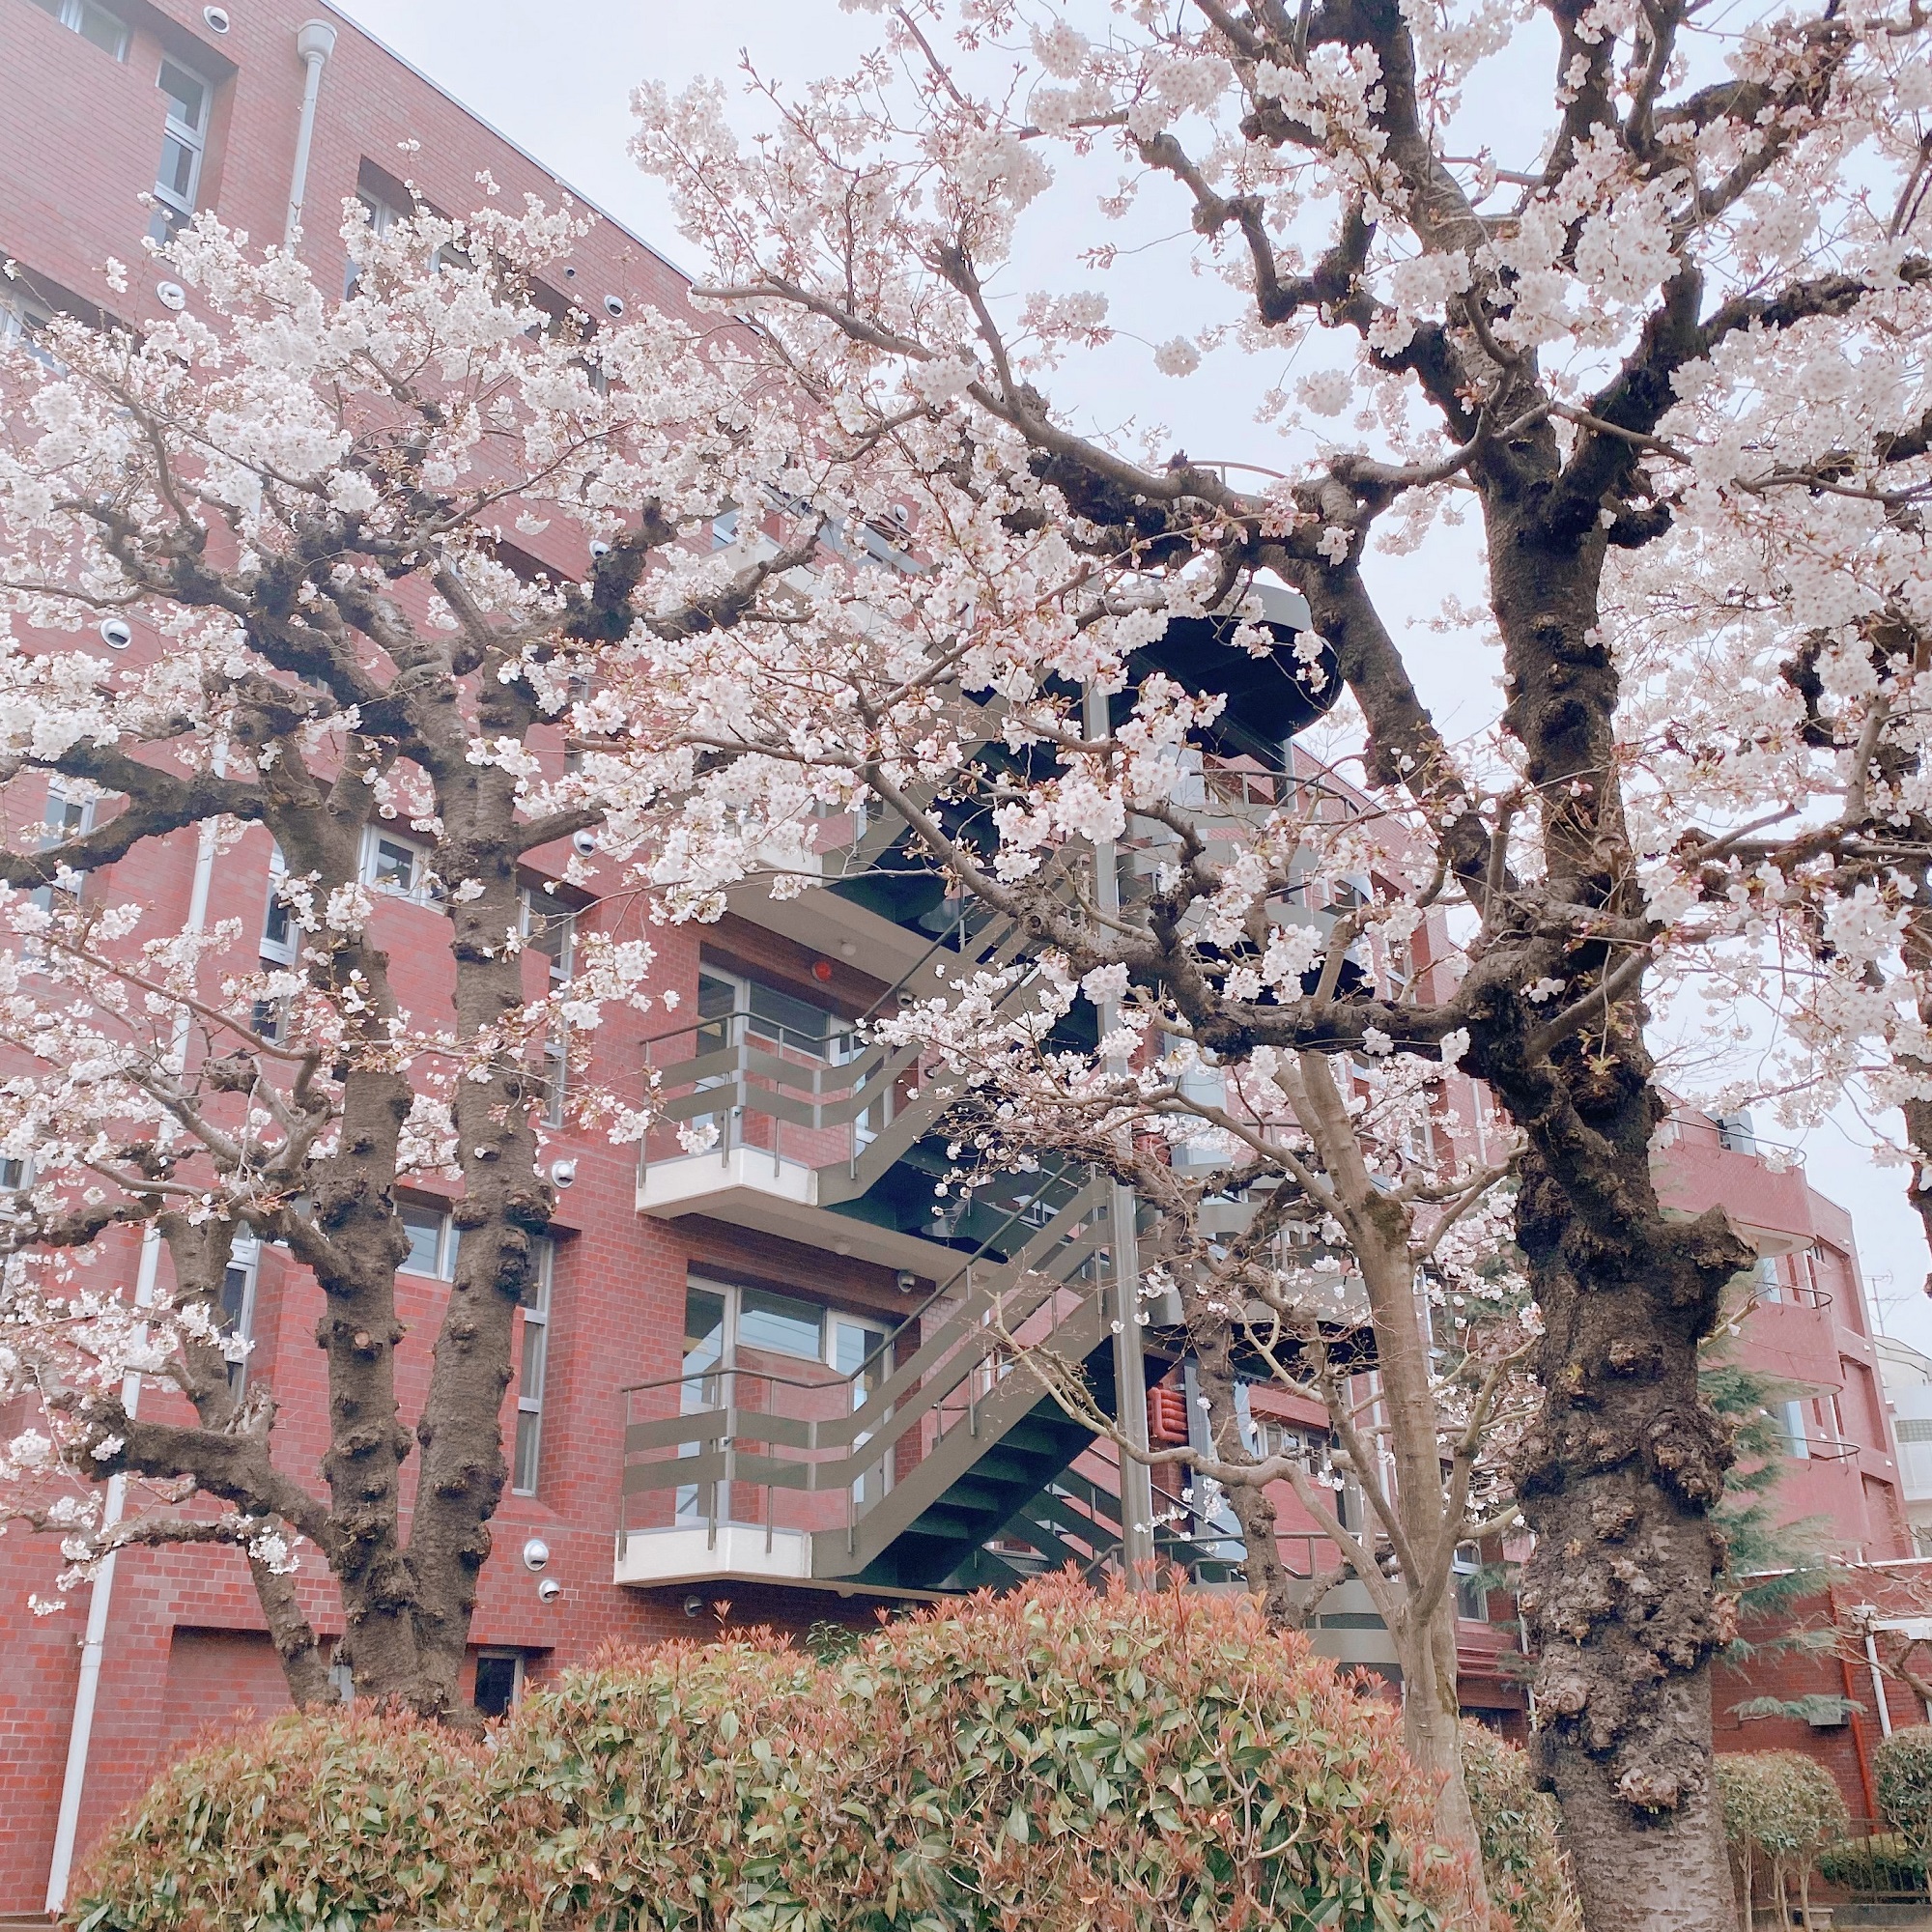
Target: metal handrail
<point x="853" y="1436"/>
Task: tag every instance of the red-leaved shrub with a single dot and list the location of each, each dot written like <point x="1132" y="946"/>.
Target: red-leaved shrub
<point x="1054" y="1761"/>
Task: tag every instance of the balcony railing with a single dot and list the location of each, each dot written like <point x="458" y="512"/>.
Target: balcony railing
<point x="757" y="1464"/>
<point x="723" y="1085"/>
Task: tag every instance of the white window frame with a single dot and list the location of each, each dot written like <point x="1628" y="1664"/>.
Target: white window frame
<point x="244" y="1258"/>
<point x="532" y="915"/>
<point x="690" y="1504"/>
<point x="1465" y="1564"/>
<point x="55" y="833"/>
<point x="283" y="951"/>
<point x="530" y="1402"/>
<point x="193" y="140"/>
<point x="419" y="891"/>
<point x="382" y="216"/>
<point x="839" y="1045"/>
<point x="22" y="319"/>
<point x="71" y="14"/>
<point x="517" y="1661"/>
<point x="447" y="1239"/>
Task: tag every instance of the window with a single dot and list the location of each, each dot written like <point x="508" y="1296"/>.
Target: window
<point x="66" y="819"/>
<point x="237" y="1307"/>
<point x="433" y="1240"/>
<point x="392" y="864"/>
<point x="1472" y="1597"/>
<point x="500" y="1681"/>
<point x="382" y="214"/>
<point x="530" y="1382"/>
<point x="23" y="322"/>
<point x="549" y="927"/>
<point x="91" y="23"/>
<point x="552" y="930"/>
<point x="278" y="927"/>
<point x="780" y="1325"/>
<point x="732" y="1006"/>
<point x="17" y="1175"/>
<point x="179" y="177"/>
<point x="721" y="1320"/>
<point x="1791" y="1426"/>
<point x="1766" y="1279"/>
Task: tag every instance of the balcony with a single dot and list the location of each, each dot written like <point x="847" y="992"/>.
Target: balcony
<point x="887" y="1477"/>
<point x="764" y="1135"/>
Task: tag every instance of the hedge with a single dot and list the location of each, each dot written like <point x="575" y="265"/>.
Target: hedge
<point x="1529" y="1875"/>
<point x="1884" y="1864"/>
<point x="1054" y="1761"/>
<point x="324" y="1822"/>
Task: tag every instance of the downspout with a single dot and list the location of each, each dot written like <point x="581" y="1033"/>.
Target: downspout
<point x="94" y="1643"/>
<point x="1860" y="1749"/>
<point x="1130" y="1403"/>
<point x="1878" y="1682"/>
<point x="315" y="42"/>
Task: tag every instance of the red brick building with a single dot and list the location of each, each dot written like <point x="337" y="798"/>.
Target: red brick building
<point x="1805" y="1322"/>
<point x="802" y="1271"/>
<point x="103" y="105"/>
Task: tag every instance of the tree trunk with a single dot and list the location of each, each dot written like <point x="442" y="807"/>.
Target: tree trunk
<point x="1432" y="1723"/>
<point x="1618" y="1478"/>
<point x="1284" y="1597"/>
<point x="359" y="1331"/>
<point x="305" y="1668"/>
<point x="505" y="1207"/>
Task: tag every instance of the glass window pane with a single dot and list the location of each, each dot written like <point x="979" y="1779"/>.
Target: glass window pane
<point x="786" y="1019"/>
<point x="98" y="25"/>
<point x="393" y="867"/>
<point x="65" y="817"/>
<point x="424" y="1228"/>
<point x="177" y="170"/>
<point x="530" y="1385"/>
<point x="780" y="1325"/>
<point x="536" y="1297"/>
<point x="529" y="1435"/>
<point x="188" y="97"/>
<point x="234" y="1296"/>
<point x="495" y="1685"/>
<point x="703" y="1328"/>
<point x="52" y="7"/>
<point x="851" y="1344"/>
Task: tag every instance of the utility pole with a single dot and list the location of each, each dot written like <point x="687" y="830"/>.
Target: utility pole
<point x="1137" y="1551"/>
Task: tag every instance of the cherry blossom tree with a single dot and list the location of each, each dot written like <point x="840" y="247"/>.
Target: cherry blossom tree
<point x="1371" y="1210"/>
<point x="310" y="510"/>
<point x="1668" y="350"/>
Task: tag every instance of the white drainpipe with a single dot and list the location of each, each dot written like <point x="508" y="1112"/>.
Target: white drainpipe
<point x="94" y="1645"/>
<point x="1878" y="1682"/>
<point x="315" y="42"/>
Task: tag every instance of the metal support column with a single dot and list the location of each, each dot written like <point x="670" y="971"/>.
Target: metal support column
<point x="1129" y="1370"/>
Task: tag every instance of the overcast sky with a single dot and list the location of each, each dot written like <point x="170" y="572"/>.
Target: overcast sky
<point x="556" y="77"/>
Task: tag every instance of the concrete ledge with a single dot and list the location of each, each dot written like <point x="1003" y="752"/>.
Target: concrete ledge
<point x="692" y="1555"/>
